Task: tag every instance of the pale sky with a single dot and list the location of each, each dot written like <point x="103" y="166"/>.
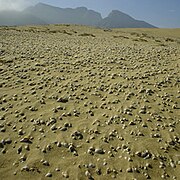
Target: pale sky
<point x="161" y="13"/>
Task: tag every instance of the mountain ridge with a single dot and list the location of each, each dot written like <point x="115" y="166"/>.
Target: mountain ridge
<point x="79" y="15"/>
<point x="116" y="16"/>
<point x="42" y="13"/>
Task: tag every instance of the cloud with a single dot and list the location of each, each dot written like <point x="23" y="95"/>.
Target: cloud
<point x="15" y="4"/>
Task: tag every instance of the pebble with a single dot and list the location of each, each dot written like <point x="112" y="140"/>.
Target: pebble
<point x="26" y="140"/>
<point x="57" y="169"/>
<point x="8" y="141"/>
<point x="65" y="174"/>
<point x="46" y="163"/>
<point x="19" y="150"/>
<point x="77" y="135"/>
<point x="25" y="168"/>
<point x="99" y="151"/>
<point x="48" y="174"/>
<point x="88" y="174"/>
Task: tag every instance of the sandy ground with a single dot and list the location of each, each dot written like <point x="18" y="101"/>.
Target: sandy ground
<point x="85" y="103"/>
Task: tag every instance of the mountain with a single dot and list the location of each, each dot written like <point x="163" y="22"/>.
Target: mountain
<point x="55" y="15"/>
<point x="15" y="18"/>
<point x="45" y="14"/>
<point x="118" y="19"/>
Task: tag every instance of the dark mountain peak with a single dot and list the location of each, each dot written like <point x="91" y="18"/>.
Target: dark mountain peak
<point x="118" y="19"/>
<point x="119" y="14"/>
<point x="116" y="12"/>
<point x="82" y="9"/>
<point x="45" y="6"/>
<point x="42" y="5"/>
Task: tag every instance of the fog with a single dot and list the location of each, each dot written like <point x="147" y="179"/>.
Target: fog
<point x="15" y="4"/>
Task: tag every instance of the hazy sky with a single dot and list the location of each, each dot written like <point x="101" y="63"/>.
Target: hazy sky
<point x="161" y="13"/>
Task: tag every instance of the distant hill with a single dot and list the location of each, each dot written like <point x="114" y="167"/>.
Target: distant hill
<point x="117" y="19"/>
<point x="46" y="14"/>
<point x="55" y="15"/>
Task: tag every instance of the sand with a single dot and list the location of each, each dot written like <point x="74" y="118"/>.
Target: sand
<point x="78" y="102"/>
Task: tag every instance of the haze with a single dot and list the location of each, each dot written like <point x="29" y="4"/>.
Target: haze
<point x="161" y="13"/>
<point x="16" y="4"/>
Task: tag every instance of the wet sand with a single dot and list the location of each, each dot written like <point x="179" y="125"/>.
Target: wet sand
<point x="78" y="102"/>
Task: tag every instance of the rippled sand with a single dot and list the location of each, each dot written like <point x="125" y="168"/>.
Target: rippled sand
<point x="85" y="103"/>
